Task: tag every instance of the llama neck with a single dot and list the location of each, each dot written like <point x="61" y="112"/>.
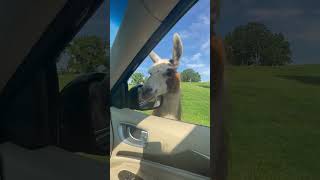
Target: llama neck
<point x="170" y="107"/>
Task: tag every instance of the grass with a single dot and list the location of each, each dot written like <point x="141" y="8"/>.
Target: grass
<point x="274" y="122"/>
<point x="65" y="78"/>
<point x="195" y="102"/>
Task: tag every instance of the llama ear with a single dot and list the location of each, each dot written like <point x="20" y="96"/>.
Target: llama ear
<point x="154" y="57"/>
<point x="177" y="49"/>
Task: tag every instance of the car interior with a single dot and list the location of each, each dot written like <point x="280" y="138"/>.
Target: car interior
<point x="42" y="129"/>
<point x="40" y="133"/>
<point x="146" y="146"/>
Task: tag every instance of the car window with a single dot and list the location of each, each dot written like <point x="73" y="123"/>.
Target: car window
<point x="159" y="72"/>
<point x="87" y="51"/>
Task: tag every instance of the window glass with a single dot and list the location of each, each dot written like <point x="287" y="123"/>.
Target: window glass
<point x="88" y="50"/>
<point x="86" y="53"/>
<point x="194" y="68"/>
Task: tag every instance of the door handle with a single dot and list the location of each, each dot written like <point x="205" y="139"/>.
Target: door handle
<point x="132" y="135"/>
<point x="137" y="134"/>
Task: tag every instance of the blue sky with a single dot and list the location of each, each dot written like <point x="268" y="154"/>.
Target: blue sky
<point x="298" y="20"/>
<point x="194" y="29"/>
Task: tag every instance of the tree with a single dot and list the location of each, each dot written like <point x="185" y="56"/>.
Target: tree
<point x="137" y="78"/>
<point x="86" y="54"/>
<point x="255" y="44"/>
<point x="189" y="75"/>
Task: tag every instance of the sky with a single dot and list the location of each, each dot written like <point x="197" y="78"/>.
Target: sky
<point x="97" y="24"/>
<point x="194" y="30"/>
<point x="298" y="20"/>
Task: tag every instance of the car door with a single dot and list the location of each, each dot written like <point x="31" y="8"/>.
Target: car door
<point x="169" y="150"/>
<point x="145" y="146"/>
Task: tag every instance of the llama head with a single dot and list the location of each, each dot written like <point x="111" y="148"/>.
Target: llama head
<point x="164" y="77"/>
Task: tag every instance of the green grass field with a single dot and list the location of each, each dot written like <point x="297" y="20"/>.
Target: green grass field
<point x="274" y="122"/>
<point x="64" y="79"/>
<point x="195" y="102"/>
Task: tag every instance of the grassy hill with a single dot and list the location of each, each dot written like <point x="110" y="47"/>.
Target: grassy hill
<point x="274" y="122"/>
<point x="196" y="102"/>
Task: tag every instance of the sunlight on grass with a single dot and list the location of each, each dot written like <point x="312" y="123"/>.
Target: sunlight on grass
<point x="274" y="122"/>
<point x="195" y="101"/>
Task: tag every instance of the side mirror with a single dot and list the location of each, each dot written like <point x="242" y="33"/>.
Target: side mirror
<point x="84" y="120"/>
<point x="135" y="101"/>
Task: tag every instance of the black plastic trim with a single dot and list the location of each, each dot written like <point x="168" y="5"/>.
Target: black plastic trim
<point x="56" y="37"/>
<point x="43" y="54"/>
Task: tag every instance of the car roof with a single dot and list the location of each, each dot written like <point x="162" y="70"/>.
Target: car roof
<point x="22" y="24"/>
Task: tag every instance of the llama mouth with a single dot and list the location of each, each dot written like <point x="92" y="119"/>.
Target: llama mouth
<point x="145" y="101"/>
<point x="147" y="97"/>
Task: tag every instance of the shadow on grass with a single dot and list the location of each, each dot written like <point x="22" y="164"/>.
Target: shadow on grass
<point x="313" y="80"/>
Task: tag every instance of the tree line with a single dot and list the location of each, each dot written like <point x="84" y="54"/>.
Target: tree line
<point x="250" y="44"/>
<point x="255" y="44"/>
<point x="85" y="54"/>
<point x="187" y="75"/>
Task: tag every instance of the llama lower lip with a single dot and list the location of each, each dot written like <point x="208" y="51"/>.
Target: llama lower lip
<point x="147" y="97"/>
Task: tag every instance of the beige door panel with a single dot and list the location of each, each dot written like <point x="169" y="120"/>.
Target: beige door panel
<point x="173" y="144"/>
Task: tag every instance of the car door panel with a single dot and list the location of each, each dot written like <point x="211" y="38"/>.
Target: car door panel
<point x="173" y="149"/>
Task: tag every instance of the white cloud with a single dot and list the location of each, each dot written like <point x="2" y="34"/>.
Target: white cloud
<point x="193" y="59"/>
<point x="196" y="57"/>
<point x="185" y="34"/>
<point x="205" y="73"/>
<point x="195" y="65"/>
<point x="205" y="45"/>
<point x="194" y="30"/>
<point x="205" y="19"/>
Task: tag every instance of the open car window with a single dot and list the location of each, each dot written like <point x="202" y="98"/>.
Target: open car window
<point x="192" y="74"/>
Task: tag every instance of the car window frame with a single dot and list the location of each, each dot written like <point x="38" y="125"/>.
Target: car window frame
<point x="173" y="17"/>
